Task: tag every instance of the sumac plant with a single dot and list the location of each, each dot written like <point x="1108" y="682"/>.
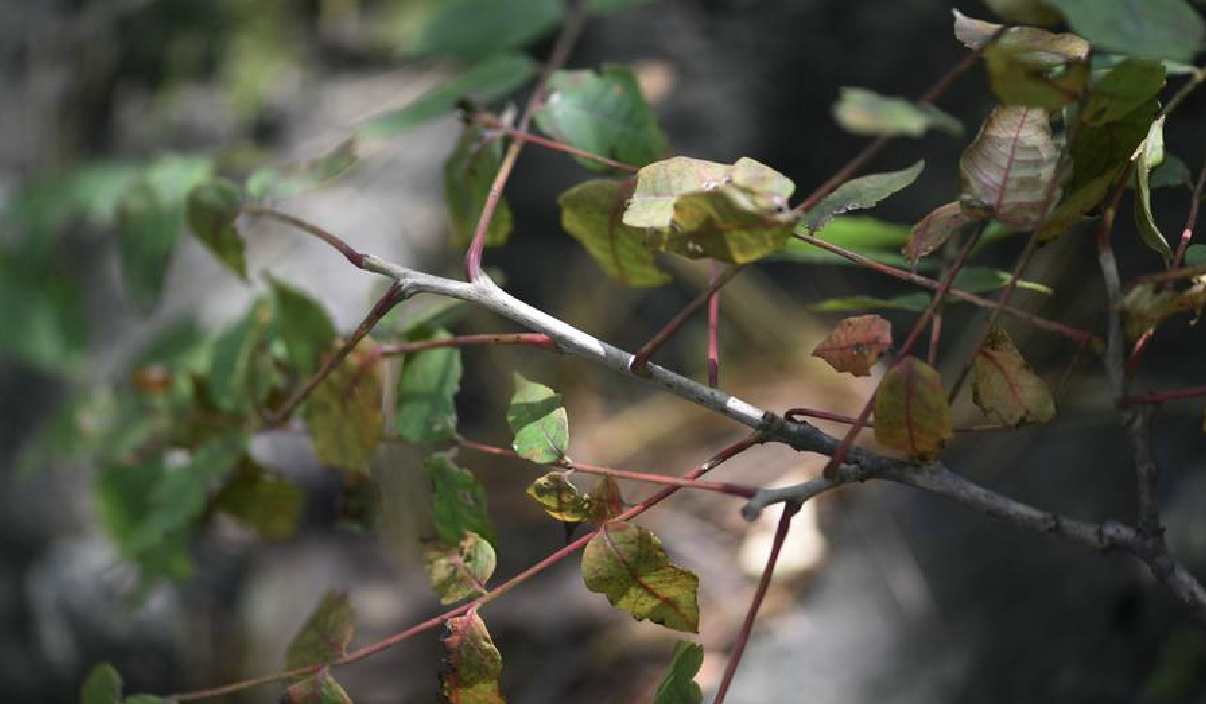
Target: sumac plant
<point x="1084" y="87"/>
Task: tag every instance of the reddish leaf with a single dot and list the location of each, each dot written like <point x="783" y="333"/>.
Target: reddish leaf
<point x="1007" y="171"/>
<point x="934" y="230"/>
<point x="474" y="661"/>
<point x="1005" y="387"/>
<point x="856" y="344"/>
<point x="606" y="501"/>
<point x="911" y="413"/>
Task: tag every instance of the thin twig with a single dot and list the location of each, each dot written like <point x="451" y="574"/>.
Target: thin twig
<point x="524" y="338"/>
<point x="641" y="359"/>
<point x="714" y="329"/>
<point x="492" y="123"/>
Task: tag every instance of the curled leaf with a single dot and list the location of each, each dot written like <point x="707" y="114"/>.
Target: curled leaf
<point x="1008" y="169"/>
<point x="679" y="686"/>
<point x="1029" y="45"/>
<point x="325" y="635"/>
<point x="459" y="571"/>
<point x="1150" y="155"/>
<point x="539" y="422"/>
<point x="856" y="344"/>
<point x="561" y="499"/>
<point x="911" y="411"/>
<point x="1146" y="306"/>
<point x="606" y="500"/>
<point x="934" y="230"/>
<point x="1005" y="387"/>
<point x="627" y="564"/>
<point x="474" y="662"/>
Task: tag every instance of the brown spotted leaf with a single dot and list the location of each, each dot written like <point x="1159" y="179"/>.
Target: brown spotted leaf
<point x="627" y="564"/>
<point x="1005" y="387"/>
<point x="324" y="636"/>
<point x="459" y="571"/>
<point x="561" y="499"/>
<point x="343" y="414"/>
<point x="934" y="230"/>
<point x="1008" y="170"/>
<point x="856" y="344"/>
<point x="911" y="412"/>
<point x="475" y="664"/>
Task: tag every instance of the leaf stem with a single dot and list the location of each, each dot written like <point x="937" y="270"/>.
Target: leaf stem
<point x="1162" y="396"/>
<point x="493" y="123"/>
<point x="714" y="327"/>
<point x="640" y="360"/>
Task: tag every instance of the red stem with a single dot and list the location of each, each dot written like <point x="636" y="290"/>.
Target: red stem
<point x="492" y="123"/>
<point x="641" y="359"/>
<point x="714" y="328"/>
<point x="1162" y="396"/>
<point x="1191" y="221"/>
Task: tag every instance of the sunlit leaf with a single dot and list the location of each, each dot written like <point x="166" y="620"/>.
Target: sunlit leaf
<point x="592" y="212"/>
<point x="319" y="689"/>
<point x="232" y="367"/>
<point x="469" y="30"/>
<point x="911" y="411"/>
<point x="1008" y="169"/>
<point x="538" y="421"/>
<point x="861" y="111"/>
<point x="1151" y="154"/>
<point x="461" y="570"/>
<point x="603" y="113"/>
<point x="427" y="388"/>
<point x="856" y="344"/>
<point x="303" y="325"/>
<point x="1005" y="387"/>
<point x="474" y="663"/>
<point x="343" y="414"/>
<point x="934" y="230"/>
<point x="261" y="500"/>
<point x="468" y="175"/>
<point x="325" y="635"/>
<point x="213" y="207"/>
<point x="627" y="564"/>
<point x="1035" y="47"/>
<point x="858" y="194"/>
<point x="458" y="501"/>
<point x="561" y="499"/>
<point x="1125" y="87"/>
<point x="679" y="686"/>
<point x="1159" y="29"/>
<point x="870" y="237"/>
<point x="916" y="302"/>
<point x="102" y="686"/>
<point x="272" y="182"/>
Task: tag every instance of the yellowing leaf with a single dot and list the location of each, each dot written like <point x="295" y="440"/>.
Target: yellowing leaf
<point x="627" y="564"/>
<point x="459" y="571"/>
<point x="911" y="412"/>
<point x="561" y="499"/>
<point x="1017" y="82"/>
<point x="325" y="635"/>
<point x="540" y="424"/>
<point x="934" y="230"/>
<point x="320" y="689"/>
<point x="261" y="500"/>
<point x="1009" y="167"/>
<point x="475" y="664"/>
<point x="1036" y="47"/>
<point x="856" y="344"/>
<point x="679" y="686"/>
<point x="592" y="213"/>
<point x="861" y="111"/>
<point x="343" y="414"/>
<point x="1005" y="388"/>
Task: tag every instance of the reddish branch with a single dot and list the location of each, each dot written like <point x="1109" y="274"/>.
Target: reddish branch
<point x="640" y="360"/>
<point x="492" y="123"/>
<point x="1163" y="396"/>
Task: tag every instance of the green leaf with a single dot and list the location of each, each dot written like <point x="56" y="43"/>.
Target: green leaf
<point x="486" y="81"/>
<point x="269" y="504"/>
<point x="603" y="7"/>
<point x="1151" y="154"/>
<point x="1005" y="387"/>
<point x="865" y="112"/>
<point x="858" y="194"/>
<point x="627" y="564"/>
<point x="231" y="371"/>
<point x="1128" y="85"/>
<point x="591" y="212"/>
<point x="1024" y="11"/>
<point x="679" y="686"/>
<point x="319" y="689"/>
<point x="458" y="501"/>
<point x="325" y="635"/>
<point x="303" y="325"/>
<point x="1017" y="82"/>
<point x="45" y="323"/>
<point x="604" y="114"/>
<point x="916" y="302"/>
<point x="124" y="499"/>
<point x="976" y="279"/>
<point x="561" y="499"/>
<point x="911" y="411"/>
<point x="271" y="182"/>
<point x="213" y="207"/>
<point x="1195" y="255"/>
<point x="427" y="387"/>
<point x="147" y="699"/>
<point x="102" y="686"/>
<point x="474" y="663"/>
<point x="1008" y="169"/>
<point x="1172" y="173"/>
<point x="1158" y="29"/>
<point x="538" y="421"/>
<point x="469" y="30"/>
<point x="148" y="230"/>
<point x="468" y="176"/>
<point x="459" y="571"/>
<point x="1037" y="48"/>
<point x="343" y="413"/>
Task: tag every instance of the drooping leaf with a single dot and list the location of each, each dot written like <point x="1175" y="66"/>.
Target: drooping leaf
<point x="213" y="207"/>
<point x="916" y="302"/>
<point x="1008" y="169"/>
<point x="1035" y="47"/>
<point x="1125" y="87"/>
<point x="604" y="114"/>
<point x="303" y="326"/>
<point x="911" y="412"/>
<point x="856" y="344"/>
<point x="858" y="194"/>
<point x="538" y="421"/>
<point x="102" y="686"/>
<point x="606" y="500"/>
<point x="934" y="230"/>
<point x="627" y="564"/>
<point x="865" y="112"/>
<point x="470" y="30"/>
<point x="319" y="689"/>
<point x="592" y="212"/>
<point x="1151" y="154"/>
<point x="343" y="414"/>
<point x="459" y="571"/>
<point x="468" y="175"/>
<point x="1146" y="306"/>
<point x="485" y="81"/>
<point x="1158" y="29"/>
<point x="232" y="367"/>
<point x="1025" y="11"/>
<point x="1005" y="387"/>
<point x="269" y="504"/>
<point x="679" y="686"/>
<point x="325" y="635"/>
<point x="458" y="501"/>
<point x="272" y="182"/>
<point x="561" y="499"/>
<point x="427" y="388"/>
<point x="475" y="664"/>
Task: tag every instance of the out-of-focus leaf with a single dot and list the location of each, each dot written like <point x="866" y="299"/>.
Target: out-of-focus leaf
<point x="474" y="663"/>
<point x="911" y="412"/>
<point x="856" y="344"/>
<point x="423" y="310"/>
<point x="604" y="114"/>
<point x="427" y="388"/>
<point x="1151" y="154"/>
<point x="592" y="212"/>
<point x="1171" y="173"/>
<point x="1146" y="306"/>
<point x="1009" y="167"/>
<point x="269" y="504"/>
<point x="627" y="564"/>
<point x="272" y="182"/>
<point x="458" y="501"/>
<point x="86" y="190"/>
<point x="1158" y="29"/>
<point x="319" y="689"/>
<point x="975" y="279"/>
<point x="343" y="414"/>
<point x="486" y="81"/>
<point x="1017" y="82"/>
<point x="232" y="367"/>
<point x="606" y="500"/>
<point x="123" y="495"/>
<point x="858" y="194"/>
<point x="603" y="7"/>
<point x="561" y="499"/>
<point x="934" y="230"/>
<point x="45" y="324"/>
<point x="213" y="207"/>
<point x="102" y="686"/>
<point x="1127" y="86"/>
<point x="679" y="686"/>
<point x="1195" y="255"/>
<point x="870" y="237"/>
<point x="468" y="175"/>
<point x="303" y="325"/>
<point x="862" y="111"/>
<point x="1005" y="387"/>
<point x="459" y="571"/>
<point x="325" y="635"/>
<point x="916" y="302"/>
<point x="538" y="421"/>
<point x="1025" y="11"/>
<point x="469" y="30"/>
